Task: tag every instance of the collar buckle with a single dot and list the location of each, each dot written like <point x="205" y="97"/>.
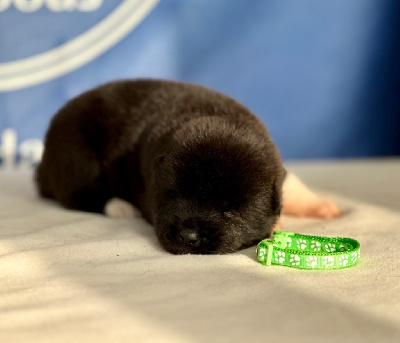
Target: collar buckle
<point x="264" y="251"/>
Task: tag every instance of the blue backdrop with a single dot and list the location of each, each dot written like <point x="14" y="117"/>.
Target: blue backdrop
<point x="324" y="76"/>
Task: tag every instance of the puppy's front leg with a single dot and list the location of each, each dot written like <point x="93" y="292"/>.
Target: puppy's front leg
<point x="300" y="201"/>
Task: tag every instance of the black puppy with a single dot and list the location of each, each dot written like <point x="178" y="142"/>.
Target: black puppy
<point x="200" y="166"/>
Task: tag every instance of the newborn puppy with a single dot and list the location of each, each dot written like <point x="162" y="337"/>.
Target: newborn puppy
<point x="199" y="166"/>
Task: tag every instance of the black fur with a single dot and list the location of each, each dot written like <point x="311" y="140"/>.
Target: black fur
<point x="187" y="157"/>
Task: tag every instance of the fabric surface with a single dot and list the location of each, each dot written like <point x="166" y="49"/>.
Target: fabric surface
<point x="75" y="277"/>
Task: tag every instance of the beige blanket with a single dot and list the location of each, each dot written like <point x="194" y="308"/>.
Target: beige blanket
<point x="76" y="277"/>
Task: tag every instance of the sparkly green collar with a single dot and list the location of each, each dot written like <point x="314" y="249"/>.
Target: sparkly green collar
<point x="308" y="252"/>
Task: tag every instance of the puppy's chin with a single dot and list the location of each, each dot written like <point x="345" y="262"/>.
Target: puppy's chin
<point x="179" y="249"/>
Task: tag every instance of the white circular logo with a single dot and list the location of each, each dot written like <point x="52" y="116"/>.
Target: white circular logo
<point x="78" y="51"/>
<point x="52" y="5"/>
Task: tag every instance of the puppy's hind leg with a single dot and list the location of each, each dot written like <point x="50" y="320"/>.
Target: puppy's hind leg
<point x="119" y="208"/>
<point x="300" y="201"/>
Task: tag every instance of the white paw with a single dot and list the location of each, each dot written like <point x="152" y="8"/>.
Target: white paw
<point x="118" y="208"/>
<point x="300" y="201"/>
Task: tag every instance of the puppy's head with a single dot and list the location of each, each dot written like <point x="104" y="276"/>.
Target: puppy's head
<point x="216" y="195"/>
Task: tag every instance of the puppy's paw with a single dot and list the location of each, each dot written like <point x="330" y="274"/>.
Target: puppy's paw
<point x="118" y="208"/>
<point x="312" y="207"/>
<point x="324" y="208"/>
<point x="300" y="201"/>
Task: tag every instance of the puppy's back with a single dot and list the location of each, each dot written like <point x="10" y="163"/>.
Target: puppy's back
<point x="121" y="123"/>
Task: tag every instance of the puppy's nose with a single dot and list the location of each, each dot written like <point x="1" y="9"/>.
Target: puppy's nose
<point x="189" y="236"/>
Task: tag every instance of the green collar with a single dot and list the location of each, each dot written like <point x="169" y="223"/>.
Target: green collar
<point x="308" y="252"/>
